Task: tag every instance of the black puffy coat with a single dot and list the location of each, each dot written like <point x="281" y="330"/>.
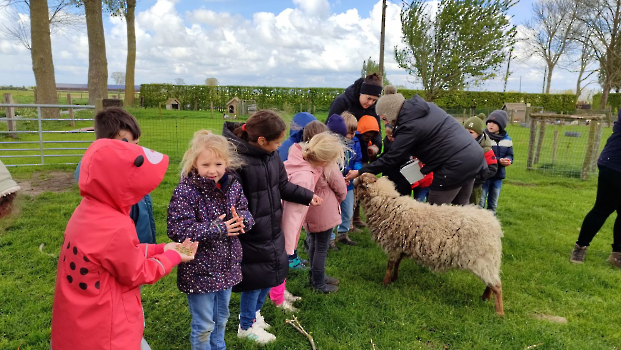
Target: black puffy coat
<point x="350" y="101"/>
<point x="437" y="140"/>
<point x="264" y="181"/>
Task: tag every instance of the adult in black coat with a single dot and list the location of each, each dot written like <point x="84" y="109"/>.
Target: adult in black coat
<point x="264" y="180"/>
<point x="359" y="99"/>
<point x="426" y="131"/>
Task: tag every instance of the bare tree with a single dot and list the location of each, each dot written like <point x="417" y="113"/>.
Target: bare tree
<point x="211" y="82"/>
<point x="550" y="31"/>
<point x="118" y="77"/>
<point x="179" y="81"/>
<point x="603" y="19"/>
<point x="61" y="19"/>
<point x="584" y="65"/>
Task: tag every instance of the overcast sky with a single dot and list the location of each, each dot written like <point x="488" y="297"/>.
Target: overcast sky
<point x="310" y="43"/>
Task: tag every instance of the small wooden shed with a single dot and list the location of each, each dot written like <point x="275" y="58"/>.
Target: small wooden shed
<point x="232" y="107"/>
<point x="516" y="112"/>
<point x="172" y="103"/>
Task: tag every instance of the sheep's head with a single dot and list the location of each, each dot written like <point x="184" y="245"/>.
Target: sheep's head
<point x="361" y="185"/>
<point x="368" y="185"/>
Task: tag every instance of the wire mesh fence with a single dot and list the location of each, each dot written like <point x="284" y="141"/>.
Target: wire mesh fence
<point x="561" y="149"/>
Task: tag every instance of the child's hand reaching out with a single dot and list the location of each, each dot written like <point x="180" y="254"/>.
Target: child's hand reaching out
<point x="186" y="250"/>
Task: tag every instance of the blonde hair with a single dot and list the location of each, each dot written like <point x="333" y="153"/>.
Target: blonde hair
<point x="313" y="128"/>
<point x="351" y="122"/>
<point x="218" y="145"/>
<point x="325" y="147"/>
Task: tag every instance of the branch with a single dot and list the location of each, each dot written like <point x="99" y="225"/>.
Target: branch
<point x="296" y="324"/>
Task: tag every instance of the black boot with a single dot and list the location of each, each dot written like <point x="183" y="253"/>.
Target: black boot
<point x="318" y="283"/>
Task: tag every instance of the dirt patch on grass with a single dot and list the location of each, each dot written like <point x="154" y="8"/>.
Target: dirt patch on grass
<point x="53" y="181"/>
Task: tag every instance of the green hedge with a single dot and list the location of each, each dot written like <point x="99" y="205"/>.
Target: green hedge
<point x="297" y="99"/>
<point x="614" y="101"/>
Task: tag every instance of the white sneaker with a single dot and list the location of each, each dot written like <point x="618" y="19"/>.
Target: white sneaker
<point x="287" y="306"/>
<point x="291" y="298"/>
<point x="255" y="333"/>
<point x="260" y="321"/>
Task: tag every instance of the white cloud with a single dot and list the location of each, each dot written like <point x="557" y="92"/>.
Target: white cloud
<point x="304" y="45"/>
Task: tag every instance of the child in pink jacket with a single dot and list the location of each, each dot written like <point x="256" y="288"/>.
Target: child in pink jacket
<point x="321" y="220"/>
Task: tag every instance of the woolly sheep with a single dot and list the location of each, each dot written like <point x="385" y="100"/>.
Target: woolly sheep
<point x="439" y="237"/>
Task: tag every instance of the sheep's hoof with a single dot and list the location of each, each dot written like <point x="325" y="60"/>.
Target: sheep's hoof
<point x="500" y="314"/>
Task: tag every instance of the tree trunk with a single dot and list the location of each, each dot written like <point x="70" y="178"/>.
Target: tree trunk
<point x="41" y="52"/>
<point x="605" y="95"/>
<point x="550" y="68"/>
<point x="97" y="62"/>
<point x="131" y="53"/>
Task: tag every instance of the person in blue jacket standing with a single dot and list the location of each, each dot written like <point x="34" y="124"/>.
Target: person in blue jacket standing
<point x="607" y="200"/>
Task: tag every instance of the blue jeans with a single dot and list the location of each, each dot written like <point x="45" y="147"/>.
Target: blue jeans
<point x="420" y="194"/>
<point x="490" y="192"/>
<point x="209" y="312"/>
<point x="347" y="212"/>
<point x="250" y="302"/>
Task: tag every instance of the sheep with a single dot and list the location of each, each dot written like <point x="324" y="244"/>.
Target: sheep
<point x="438" y="237"/>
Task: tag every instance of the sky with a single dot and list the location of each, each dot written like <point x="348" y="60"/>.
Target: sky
<point x="299" y="43"/>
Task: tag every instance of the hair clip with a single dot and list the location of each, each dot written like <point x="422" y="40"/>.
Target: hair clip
<point x="244" y="127"/>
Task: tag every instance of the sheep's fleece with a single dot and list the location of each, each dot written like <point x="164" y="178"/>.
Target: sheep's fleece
<point x="439" y="237"/>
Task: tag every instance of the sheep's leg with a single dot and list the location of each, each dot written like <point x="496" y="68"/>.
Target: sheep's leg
<point x="497" y="290"/>
<point x="387" y="277"/>
<point x="487" y="293"/>
<point x="395" y="273"/>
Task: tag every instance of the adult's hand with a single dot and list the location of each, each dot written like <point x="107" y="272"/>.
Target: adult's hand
<point x="352" y="174"/>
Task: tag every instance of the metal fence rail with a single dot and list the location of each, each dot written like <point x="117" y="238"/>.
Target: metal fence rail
<point x="41" y="132"/>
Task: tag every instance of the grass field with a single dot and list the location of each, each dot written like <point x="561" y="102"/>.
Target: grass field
<point x="541" y="217"/>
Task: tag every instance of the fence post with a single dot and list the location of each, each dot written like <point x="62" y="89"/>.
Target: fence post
<point x="586" y="166"/>
<point x="531" y="143"/>
<point x="554" y="146"/>
<point x="542" y="132"/>
<point x="10" y="113"/>
<point x="70" y="111"/>
<point x="40" y="135"/>
<point x="98" y="105"/>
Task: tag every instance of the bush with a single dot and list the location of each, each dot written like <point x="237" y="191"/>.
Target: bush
<point x="202" y="96"/>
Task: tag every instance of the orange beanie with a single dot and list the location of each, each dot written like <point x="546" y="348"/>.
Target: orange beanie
<point x="367" y="123"/>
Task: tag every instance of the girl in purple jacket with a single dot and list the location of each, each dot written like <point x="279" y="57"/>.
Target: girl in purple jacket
<point x="209" y="206"/>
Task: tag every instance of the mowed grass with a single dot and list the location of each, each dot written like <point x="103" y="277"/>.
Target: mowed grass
<point x="541" y="217"/>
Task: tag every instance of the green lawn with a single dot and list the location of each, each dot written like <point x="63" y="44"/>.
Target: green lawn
<point x="541" y="217"/>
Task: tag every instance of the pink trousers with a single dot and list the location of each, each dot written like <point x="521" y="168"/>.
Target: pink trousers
<point x="277" y="294"/>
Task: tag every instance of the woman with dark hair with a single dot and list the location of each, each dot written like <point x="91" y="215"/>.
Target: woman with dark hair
<point x="264" y="181"/>
<point x="359" y="99"/>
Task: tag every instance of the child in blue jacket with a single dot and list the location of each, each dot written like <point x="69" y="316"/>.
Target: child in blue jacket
<point x="354" y="162"/>
<point x="503" y="149"/>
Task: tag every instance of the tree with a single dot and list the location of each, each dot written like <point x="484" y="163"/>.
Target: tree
<point x="36" y="37"/>
<point x="118" y="77"/>
<point x="464" y="43"/>
<point x="550" y="31"/>
<point x="369" y="67"/>
<point x="97" y="61"/>
<point x="603" y="19"/>
<point x="180" y="81"/>
<point x="583" y="66"/>
<point x="211" y="82"/>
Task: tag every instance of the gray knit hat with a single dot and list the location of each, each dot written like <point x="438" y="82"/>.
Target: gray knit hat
<point x="7" y="185"/>
<point x="390" y="104"/>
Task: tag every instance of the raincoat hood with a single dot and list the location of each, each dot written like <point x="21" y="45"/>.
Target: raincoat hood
<point x="120" y="174"/>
